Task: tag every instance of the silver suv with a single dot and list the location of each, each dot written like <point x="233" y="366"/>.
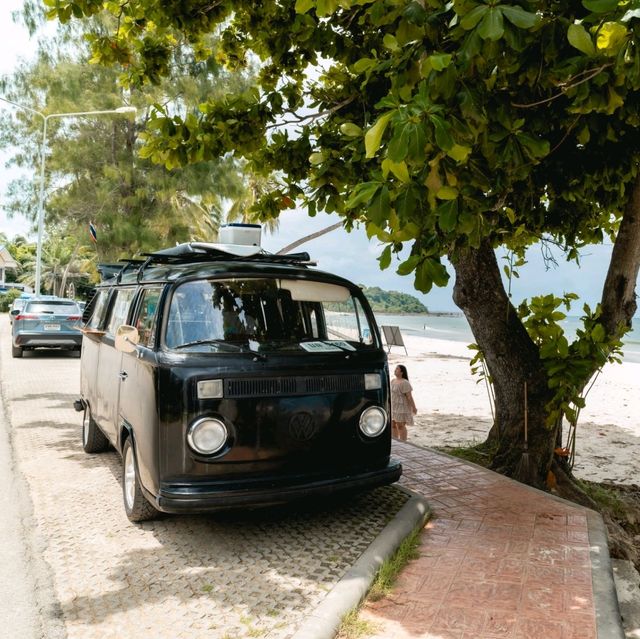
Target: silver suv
<point x="46" y="323"/>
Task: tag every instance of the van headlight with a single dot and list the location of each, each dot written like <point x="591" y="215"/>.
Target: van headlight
<point x="207" y="435"/>
<point x="373" y="421"/>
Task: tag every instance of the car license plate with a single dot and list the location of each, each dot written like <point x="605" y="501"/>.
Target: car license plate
<point x="52" y="327"/>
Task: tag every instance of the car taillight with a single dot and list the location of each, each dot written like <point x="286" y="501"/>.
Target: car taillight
<point x="27" y="316"/>
<point x="74" y="317"/>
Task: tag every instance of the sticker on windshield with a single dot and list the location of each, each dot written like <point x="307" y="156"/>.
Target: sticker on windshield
<point x="342" y="344"/>
<point x="320" y="347"/>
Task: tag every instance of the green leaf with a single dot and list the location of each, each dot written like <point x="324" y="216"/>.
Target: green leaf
<point x="471" y="19"/>
<point x="459" y="153"/>
<point x="447" y="193"/>
<point x="406" y="202"/>
<point x="443" y="137"/>
<point x="408" y="265"/>
<point x="580" y="39"/>
<point x="385" y="257"/>
<point x="448" y="215"/>
<point x="373" y="137"/>
<point x="302" y="6"/>
<point x="600" y="6"/>
<point x="326" y="7"/>
<point x="389" y="41"/>
<point x="611" y="36"/>
<point x="492" y="25"/>
<point x="519" y="17"/>
<point x="364" y="64"/>
<point x="379" y="208"/>
<point x="598" y="333"/>
<point x="351" y="130"/>
<point x="399" y="169"/>
<point x="440" y="61"/>
<point x="316" y="158"/>
<point x="362" y="194"/>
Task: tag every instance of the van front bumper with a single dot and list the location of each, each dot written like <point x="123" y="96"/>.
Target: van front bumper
<point x="234" y="493"/>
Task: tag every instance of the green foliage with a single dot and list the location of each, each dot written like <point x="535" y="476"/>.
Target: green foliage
<point x="6" y="299"/>
<point x="93" y="170"/>
<point x="438" y="124"/>
<point x="393" y="301"/>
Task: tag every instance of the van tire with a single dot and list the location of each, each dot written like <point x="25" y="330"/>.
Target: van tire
<point x="16" y="351"/>
<point x="135" y="503"/>
<point x="93" y="439"/>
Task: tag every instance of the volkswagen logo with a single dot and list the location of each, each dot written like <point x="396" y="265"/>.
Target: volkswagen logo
<point x="303" y="427"/>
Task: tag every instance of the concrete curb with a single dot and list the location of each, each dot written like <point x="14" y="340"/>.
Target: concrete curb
<point x="605" y="598"/>
<point x="324" y="621"/>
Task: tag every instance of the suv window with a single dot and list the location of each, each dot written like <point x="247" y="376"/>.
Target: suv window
<point x="119" y="309"/>
<point x="53" y="308"/>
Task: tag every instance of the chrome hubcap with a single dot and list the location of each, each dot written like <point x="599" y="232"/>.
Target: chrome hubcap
<point x="129" y="478"/>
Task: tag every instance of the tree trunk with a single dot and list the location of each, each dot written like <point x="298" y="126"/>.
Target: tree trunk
<point x="619" y="292"/>
<point x="512" y="359"/>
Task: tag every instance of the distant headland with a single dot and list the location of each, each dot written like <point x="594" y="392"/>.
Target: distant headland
<point x="394" y="302"/>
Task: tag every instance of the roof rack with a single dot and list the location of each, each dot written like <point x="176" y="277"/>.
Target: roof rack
<point x="109" y="271"/>
<point x="201" y="251"/>
<point x="193" y="252"/>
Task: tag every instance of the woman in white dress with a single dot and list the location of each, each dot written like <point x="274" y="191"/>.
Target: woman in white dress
<point x="403" y="408"/>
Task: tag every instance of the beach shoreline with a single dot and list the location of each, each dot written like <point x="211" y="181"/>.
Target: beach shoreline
<point x="454" y="409"/>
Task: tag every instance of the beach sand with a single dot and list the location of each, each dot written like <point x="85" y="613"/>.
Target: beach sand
<point x="454" y="409"/>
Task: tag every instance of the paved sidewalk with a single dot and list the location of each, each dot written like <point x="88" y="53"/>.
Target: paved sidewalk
<point x="499" y="560"/>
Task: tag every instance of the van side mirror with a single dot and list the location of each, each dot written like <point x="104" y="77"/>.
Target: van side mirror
<point x="15" y="311"/>
<point x="127" y="338"/>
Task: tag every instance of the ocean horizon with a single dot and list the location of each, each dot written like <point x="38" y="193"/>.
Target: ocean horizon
<point x="455" y="328"/>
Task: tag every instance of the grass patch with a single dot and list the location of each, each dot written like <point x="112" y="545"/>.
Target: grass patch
<point x="607" y="499"/>
<point x="391" y="567"/>
<point x="480" y="454"/>
<point x="352" y="627"/>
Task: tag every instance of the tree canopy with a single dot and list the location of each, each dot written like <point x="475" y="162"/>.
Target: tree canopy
<point x="453" y="126"/>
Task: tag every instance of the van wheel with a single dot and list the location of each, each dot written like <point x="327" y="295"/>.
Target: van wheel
<point x="16" y="351"/>
<point x="135" y="503"/>
<point x="93" y="439"/>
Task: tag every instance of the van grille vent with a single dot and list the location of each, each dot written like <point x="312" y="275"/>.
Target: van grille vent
<point x="275" y="386"/>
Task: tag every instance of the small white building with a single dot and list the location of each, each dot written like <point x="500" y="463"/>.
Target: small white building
<point x="6" y="262"/>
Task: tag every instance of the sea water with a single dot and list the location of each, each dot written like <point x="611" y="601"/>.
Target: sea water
<point x="455" y="328"/>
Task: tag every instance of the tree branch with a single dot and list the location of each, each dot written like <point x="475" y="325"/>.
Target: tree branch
<point x="565" y="87"/>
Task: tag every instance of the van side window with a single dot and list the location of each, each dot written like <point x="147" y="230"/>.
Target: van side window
<point x="119" y="309"/>
<point x="147" y="316"/>
<point x="98" y="307"/>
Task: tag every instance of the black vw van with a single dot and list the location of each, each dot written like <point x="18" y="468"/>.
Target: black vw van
<point x="230" y="377"/>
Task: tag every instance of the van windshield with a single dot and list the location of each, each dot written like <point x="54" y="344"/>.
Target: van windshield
<point x="266" y="314"/>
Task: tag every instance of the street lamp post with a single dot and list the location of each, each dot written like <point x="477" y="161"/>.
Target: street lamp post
<point x="43" y="148"/>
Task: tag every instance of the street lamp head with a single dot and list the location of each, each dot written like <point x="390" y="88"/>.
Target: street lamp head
<point x="126" y="109"/>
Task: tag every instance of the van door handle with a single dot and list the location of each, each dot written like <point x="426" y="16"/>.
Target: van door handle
<point x="123" y="375"/>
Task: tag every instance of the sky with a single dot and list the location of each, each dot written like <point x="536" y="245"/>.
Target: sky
<point x="350" y="255"/>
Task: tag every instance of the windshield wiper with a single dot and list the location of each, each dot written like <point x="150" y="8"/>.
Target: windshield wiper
<point x="220" y="342"/>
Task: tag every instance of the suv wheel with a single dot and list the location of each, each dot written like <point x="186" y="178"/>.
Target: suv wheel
<point x="93" y="439"/>
<point x="135" y="503"/>
<point x="16" y="351"/>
